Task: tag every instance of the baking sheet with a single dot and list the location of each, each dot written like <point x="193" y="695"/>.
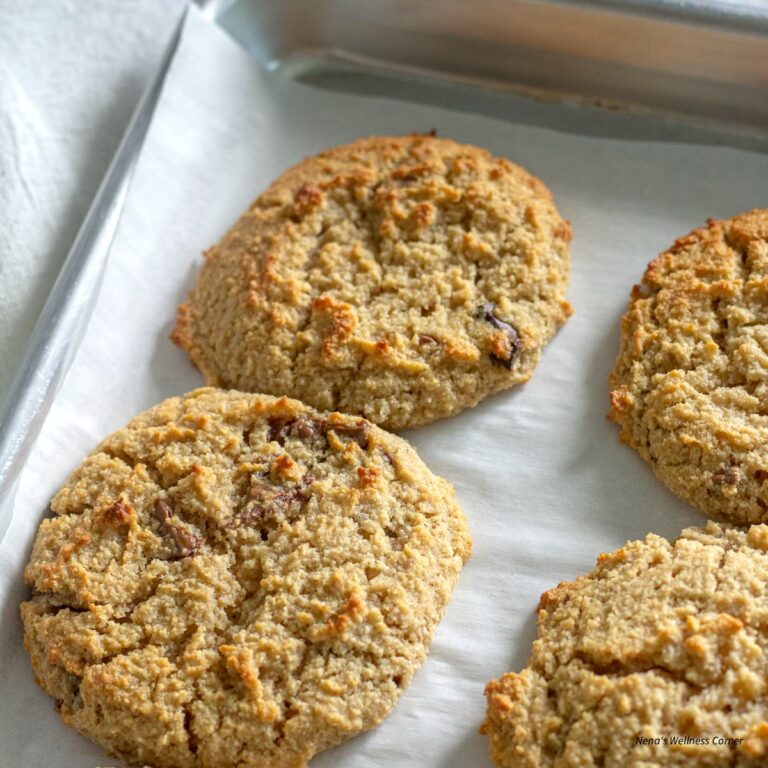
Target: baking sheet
<point x="538" y="470"/>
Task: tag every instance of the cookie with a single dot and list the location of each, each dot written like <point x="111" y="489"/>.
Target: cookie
<point x="690" y="385"/>
<point x="235" y="580"/>
<point x="658" y="657"/>
<point x="402" y="279"/>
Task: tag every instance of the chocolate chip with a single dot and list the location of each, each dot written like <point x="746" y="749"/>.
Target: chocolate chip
<point x="191" y="737"/>
<point x="270" y="501"/>
<point x="359" y="432"/>
<point x="187" y="543"/>
<point x="162" y="512"/>
<point x="303" y="427"/>
<point x="726" y="476"/>
<point x="486" y="312"/>
<point x="278" y="429"/>
<point x="306" y="429"/>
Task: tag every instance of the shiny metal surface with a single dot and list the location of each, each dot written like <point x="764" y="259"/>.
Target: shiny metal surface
<point x="704" y="60"/>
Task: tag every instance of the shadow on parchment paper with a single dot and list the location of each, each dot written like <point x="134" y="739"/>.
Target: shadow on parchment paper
<point x="16" y="668"/>
<point x="472" y="752"/>
<point x="443" y="431"/>
<point x="523" y="642"/>
<point x="629" y="501"/>
<point x="170" y="368"/>
<point x="595" y="410"/>
<point x="520" y="652"/>
<point x="10" y="620"/>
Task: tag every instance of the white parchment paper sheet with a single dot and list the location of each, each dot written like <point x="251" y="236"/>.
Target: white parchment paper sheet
<point x="539" y="471"/>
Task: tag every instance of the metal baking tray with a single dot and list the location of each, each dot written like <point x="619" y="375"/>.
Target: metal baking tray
<point x="679" y="70"/>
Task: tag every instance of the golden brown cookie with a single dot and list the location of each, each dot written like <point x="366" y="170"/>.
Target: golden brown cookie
<point x="236" y="580"/>
<point x="690" y="385"/>
<point x="658" y="657"/>
<point x="402" y="279"/>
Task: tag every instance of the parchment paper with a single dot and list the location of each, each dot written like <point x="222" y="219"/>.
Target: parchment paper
<point x="538" y="470"/>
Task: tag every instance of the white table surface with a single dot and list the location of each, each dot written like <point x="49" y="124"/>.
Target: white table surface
<point x="71" y="73"/>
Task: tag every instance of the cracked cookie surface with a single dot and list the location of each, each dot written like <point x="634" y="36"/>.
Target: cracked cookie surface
<point x="235" y="579"/>
<point x="402" y="279"/>
<point x="690" y="385"/>
<point x="661" y="641"/>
